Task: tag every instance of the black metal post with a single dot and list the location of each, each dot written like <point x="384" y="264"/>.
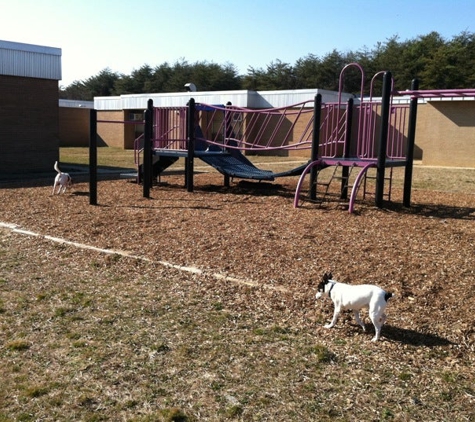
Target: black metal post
<point x="93" y="157"/>
<point x="383" y="139"/>
<point x="147" y="150"/>
<point x="189" y="168"/>
<point x="411" y="141"/>
<point x="228" y="133"/>
<point x="151" y="133"/>
<point x="317" y="113"/>
<point x="345" y="171"/>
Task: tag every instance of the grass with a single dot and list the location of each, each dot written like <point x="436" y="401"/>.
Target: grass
<point x="106" y="156"/>
<point x="17" y="345"/>
<point x="90" y="337"/>
<point x="163" y="349"/>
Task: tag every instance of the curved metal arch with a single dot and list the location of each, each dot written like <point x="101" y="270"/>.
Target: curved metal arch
<point x="301" y="179"/>
<point x="356" y="186"/>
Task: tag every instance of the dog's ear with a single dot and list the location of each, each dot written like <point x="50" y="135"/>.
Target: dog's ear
<point x="330" y="276"/>
<point x="322" y="284"/>
<point x="325" y="278"/>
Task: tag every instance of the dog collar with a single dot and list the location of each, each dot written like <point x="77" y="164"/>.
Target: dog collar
<point x="330" y="291"/>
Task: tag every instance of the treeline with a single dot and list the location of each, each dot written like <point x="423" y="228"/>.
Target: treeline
<point x="437" y="63"/>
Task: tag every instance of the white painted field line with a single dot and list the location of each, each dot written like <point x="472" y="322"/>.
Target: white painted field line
<point x="194" y="270"/>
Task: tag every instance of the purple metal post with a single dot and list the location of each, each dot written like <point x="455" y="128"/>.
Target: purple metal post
<point x="345" y="171"/>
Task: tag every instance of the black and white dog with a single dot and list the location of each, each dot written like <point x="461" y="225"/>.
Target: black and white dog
<point x="346" y="296"/>
<point x="62" y="180"/>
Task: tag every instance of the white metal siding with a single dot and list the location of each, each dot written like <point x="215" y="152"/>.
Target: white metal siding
<point x="243" y="98"/>
<point x="285" y="98"/>
<point x="108" y="103"/>
<point x="32" y="61"/>
<point x="175" y="99"/>
<point x="76" y="104"/>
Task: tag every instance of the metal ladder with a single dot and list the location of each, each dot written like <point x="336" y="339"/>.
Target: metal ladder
<point x="387" y="178"/>
<point x="324" y="193"/>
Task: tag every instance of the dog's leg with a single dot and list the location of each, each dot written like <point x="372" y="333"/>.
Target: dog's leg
<point x="378" y="333"/>
<point x="358" y="319"/>
<point x="376" y="320"/>
<point x="336" y="313"/>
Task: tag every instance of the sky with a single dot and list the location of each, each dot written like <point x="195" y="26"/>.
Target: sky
<point x="124" y="35"/>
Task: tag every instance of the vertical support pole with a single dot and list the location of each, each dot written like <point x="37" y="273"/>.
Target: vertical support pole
<point x="317" y="113"/>
<point x="345" y="169"/>
<point x="93" y="157"/>
<point x="383" y="139"/>
<point x="147" y="150"/>
<point x="411" y="141"/>
<point x="189" y="167"/>
<point x="227" y="180"/>
<point x="228" y="132"/>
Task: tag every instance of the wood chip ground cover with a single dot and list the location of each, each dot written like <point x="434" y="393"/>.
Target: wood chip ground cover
<point x="236" y="334"/>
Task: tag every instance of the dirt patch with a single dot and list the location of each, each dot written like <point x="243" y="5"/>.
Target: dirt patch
<point x="236" y="333"/>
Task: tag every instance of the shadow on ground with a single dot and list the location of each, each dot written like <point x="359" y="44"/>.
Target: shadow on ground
<point x="78" y="172"/>
<point x="413" y="338"/>
<point x="434" y="210"/>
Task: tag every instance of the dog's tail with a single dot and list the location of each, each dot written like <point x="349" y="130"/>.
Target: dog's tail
<point x="388" y="296"/>
<point x="56" y="167"/>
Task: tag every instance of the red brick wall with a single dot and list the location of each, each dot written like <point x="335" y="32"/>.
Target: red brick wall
<point x="111" y="134"/>
<point x="29" y="139"/>
<point x="74" y="126"/>
<point x="118" y="134"/>
<point x="445" y="133"/>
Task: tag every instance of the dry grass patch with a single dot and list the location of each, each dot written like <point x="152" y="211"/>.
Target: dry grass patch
<point x="87" y="335"/>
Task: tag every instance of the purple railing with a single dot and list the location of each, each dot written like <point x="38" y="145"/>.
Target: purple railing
<point x="286" y="128"/>
<point x="332" y="130"/>
<point x="438" y="93"/>
<point x="257" y="130"/>
<point x="275" y="129"/>
<point x="169" y="130"/>
<point x="364" y="141"/>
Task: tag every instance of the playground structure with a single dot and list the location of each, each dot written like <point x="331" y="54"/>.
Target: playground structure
<point x="221" y="133"/>
<point x="361" y="133"/>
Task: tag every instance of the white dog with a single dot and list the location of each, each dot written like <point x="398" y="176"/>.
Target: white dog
<point x="346" y="296"/>
<point x="62" y="180"/>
